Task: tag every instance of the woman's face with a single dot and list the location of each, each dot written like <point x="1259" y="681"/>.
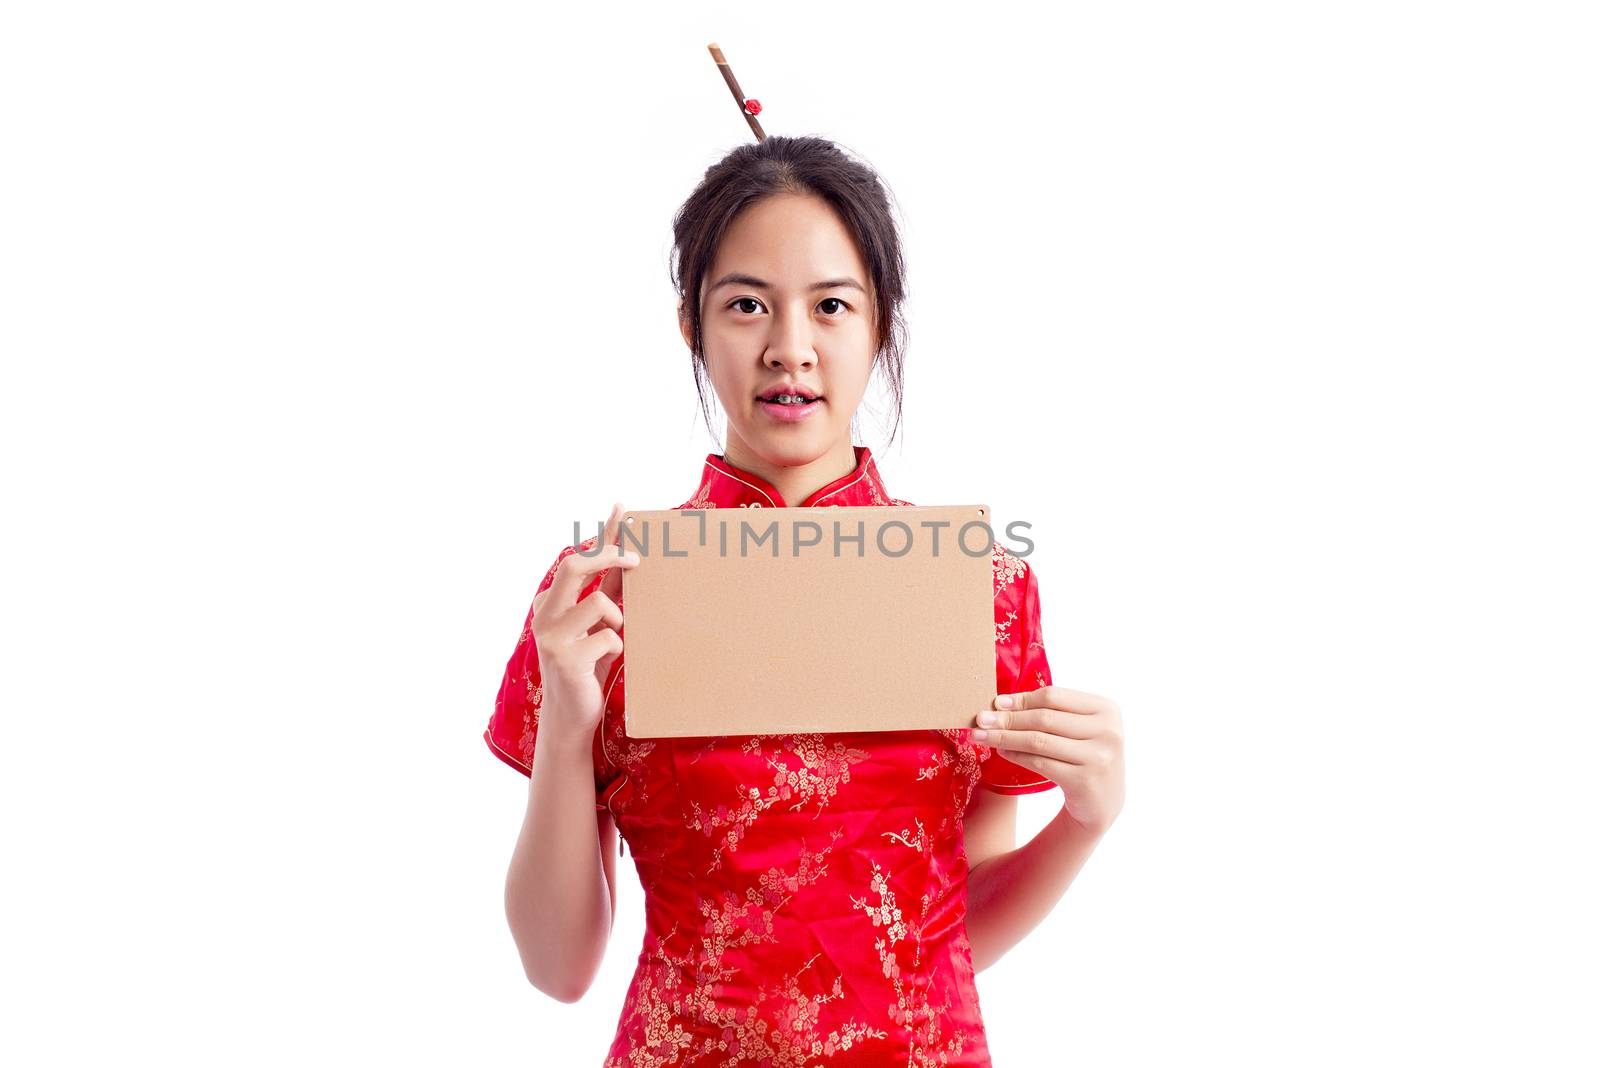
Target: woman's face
<point x="787" y="302"/>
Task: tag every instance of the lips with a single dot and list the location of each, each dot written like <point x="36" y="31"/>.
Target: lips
<point x="798" y="390"/>
<point x="786" y="411"/>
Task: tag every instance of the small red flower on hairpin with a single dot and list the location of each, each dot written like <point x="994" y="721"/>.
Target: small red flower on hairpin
<point x="748" y="106"/>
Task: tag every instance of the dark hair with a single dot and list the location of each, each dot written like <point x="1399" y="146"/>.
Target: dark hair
<point x="800" y="165"/>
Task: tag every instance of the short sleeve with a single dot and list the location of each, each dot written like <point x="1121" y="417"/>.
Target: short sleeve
<point x="513" y="728"/>
<point x="1020" y="664"/>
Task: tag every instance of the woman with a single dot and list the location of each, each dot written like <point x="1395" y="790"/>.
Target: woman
<point x="813" y="898"/>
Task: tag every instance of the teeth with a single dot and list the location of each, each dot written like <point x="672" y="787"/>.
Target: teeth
<point x="789" y="398"/>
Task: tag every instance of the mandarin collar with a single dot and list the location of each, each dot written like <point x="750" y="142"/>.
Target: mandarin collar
<point x="722" y="485"/>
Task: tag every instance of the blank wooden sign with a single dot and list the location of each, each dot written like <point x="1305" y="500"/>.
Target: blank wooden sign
<point x="785" y="620"/>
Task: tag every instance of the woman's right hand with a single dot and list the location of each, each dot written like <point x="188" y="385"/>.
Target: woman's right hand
<point x="578" y="641"/>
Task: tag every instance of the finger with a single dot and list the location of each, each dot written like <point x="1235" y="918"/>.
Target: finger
<point x="1050" y="720"/>
<point x="1067" y="700"/>
<point x="602" y="668"/>
<point x="612" y="583"/>
<point x="594" y="610"/>
<point x="612" y="521"/>
<point x="604" y="642"/>
<point x="607" y="536"/>
<point x="1067" y="776"/>
<point x="576" y="570"/>
<point x="1035" y="743"/>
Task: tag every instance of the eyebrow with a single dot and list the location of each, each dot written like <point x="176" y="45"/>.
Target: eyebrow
<point x="737" y="279"/>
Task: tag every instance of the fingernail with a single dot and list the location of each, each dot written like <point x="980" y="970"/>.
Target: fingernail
<point x="979" y="736"/>
<point x="1003" y="701"/>
<point x="988" y="719"/>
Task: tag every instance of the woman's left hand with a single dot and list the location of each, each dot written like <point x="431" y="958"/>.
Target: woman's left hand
<point x="1072" y="738"/>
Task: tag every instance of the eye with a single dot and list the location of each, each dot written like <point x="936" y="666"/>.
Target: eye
<point x="842" y="307"/>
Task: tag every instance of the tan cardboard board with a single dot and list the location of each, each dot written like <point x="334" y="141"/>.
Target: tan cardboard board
<point x="784" y="620"/>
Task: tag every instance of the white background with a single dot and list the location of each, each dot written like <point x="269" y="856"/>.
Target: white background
<point x="323" y="321"/>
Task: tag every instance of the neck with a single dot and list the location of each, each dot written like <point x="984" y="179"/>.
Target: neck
<point x="800" y="481"/>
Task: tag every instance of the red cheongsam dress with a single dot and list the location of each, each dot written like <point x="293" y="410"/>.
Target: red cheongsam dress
<point x="805" y="894"/>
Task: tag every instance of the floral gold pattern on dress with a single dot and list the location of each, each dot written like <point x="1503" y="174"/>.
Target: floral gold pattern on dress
<point x="918" y="841"/>
<point x="1007" y="566"/>
<point x="823" y="769"/>
<point x="804" y="894"/>
<point x="1002" y="628"/>
<point x="530" y="719"/>
<point x="941" y="760"/>
<point x="912" y="1008"/>
<point x="701" y="498"/>
<point x="769" y="1023"/>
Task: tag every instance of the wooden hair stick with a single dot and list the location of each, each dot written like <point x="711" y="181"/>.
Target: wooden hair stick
<point x="748" y="108"/>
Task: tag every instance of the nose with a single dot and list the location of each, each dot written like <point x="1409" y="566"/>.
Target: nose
<point x="789" y="346"/>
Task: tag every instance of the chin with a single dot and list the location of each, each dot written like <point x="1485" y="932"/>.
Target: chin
<point x="791" y="446"/>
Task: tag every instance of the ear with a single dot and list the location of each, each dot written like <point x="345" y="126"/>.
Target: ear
<point x="685" y="327"/>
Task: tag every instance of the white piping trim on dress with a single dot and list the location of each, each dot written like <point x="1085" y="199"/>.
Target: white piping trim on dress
<point x="742" y="482"/>
<point x="1018" y="785"/>
<point x="846" y="486"/>
<point x="512" y="757"/>
<point x="605" y="747"/>
<point x="870" y="464"/>
<point x="1001" y="788"/>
